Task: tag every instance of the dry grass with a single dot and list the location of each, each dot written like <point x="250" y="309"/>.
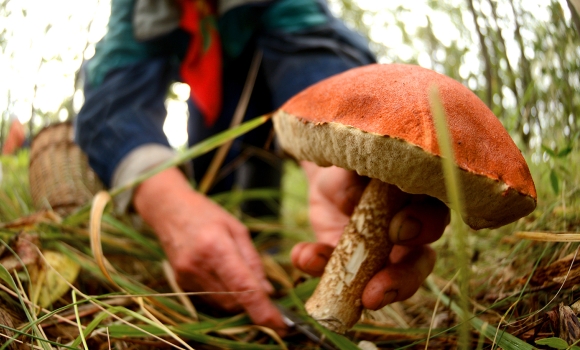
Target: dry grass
<point x="520" y="290"/>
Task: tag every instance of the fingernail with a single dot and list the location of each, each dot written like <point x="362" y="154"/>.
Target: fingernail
<point x="316" y="263"/>
<point x="410" y="228"/>
<point x="389" y="297"/>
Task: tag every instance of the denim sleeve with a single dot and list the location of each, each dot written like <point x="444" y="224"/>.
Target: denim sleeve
<point x="125" y="111"/>
<point x="292" y="61"/>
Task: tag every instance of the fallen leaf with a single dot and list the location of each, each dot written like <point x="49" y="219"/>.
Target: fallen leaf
<point x="51" y="281"/>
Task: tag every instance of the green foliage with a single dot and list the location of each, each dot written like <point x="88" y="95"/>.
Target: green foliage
<point x="7" y="278"/>
<point x="525" y="67"/>
<point x="15" y="199"/>
<point x="558" y="160"/>
<point x="556" y="343"/>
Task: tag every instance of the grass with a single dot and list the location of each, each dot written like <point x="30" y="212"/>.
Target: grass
<point x="513" y="287"/>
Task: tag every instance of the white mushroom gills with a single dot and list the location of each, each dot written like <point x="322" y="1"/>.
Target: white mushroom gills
<point x="362" y="251"/>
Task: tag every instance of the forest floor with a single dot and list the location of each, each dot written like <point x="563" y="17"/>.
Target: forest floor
<point x="521" y="283"/>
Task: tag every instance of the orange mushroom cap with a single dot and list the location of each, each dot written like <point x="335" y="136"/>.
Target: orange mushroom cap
<point x="377" y="120"/>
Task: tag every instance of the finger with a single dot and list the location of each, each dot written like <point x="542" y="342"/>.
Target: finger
<point x="311" y="257"/>
<point x="237" y="276"/>
<point x="400" y="280"/>
<point x="334" y="192"/>
<point x="192" y="277"/>
<point x="241" y="236"/>
<point x="341" y="187"/>
<point x="421" y="222"/>
<point x="214" y="293"/>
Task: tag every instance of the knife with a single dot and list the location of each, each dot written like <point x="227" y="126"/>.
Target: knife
<point x="292" y="320"/>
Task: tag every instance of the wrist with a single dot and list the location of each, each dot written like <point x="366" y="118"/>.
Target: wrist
<point x="161" y="199"/>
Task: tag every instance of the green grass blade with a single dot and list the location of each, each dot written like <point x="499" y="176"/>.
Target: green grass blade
<point x="303" y="291"/>
<point x="198" y="335"/>
<point x="134" y="235"/>
<point x="340" y="341"/>
<point x="195" y="151"/>
<point x="456" y="203"/>
<point x="374" y="329"/>
<point x="19" y="332"/>
<point x="130" y="330"/>
<point x="7" y="277"/>
<point x="232" y="199"/>
<point x="133" y="287"/>
<point x="90" y="328"/>
<point x="81" y="215"/>
<point x="506" y="341"/>
<point x="76" y="309"/>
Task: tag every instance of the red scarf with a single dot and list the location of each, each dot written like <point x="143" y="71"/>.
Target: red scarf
<point x="202" y="67"/>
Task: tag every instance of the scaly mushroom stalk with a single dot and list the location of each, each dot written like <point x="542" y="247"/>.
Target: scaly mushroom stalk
<point x="362" y="251"/>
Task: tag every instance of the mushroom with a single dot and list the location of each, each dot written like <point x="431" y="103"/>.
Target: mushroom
<point x="376" y="120"/>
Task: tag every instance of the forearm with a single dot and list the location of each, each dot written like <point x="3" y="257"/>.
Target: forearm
<point x="164" y="201"/>
<point x="123" y="113"/>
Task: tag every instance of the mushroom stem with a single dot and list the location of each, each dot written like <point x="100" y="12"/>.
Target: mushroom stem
<point x="362" y="251"/>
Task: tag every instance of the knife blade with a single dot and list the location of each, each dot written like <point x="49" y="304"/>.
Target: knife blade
<point x="293" y="320"/>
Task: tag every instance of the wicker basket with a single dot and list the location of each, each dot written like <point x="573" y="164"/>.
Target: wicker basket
<point x="59" y="174"/>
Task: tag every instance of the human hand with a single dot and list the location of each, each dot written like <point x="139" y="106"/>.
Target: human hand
<point x="209" y="249"/>
<point x="334" y="193"/>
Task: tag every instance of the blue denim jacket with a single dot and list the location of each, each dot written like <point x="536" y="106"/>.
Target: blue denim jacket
<point x="124" y="107"/>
